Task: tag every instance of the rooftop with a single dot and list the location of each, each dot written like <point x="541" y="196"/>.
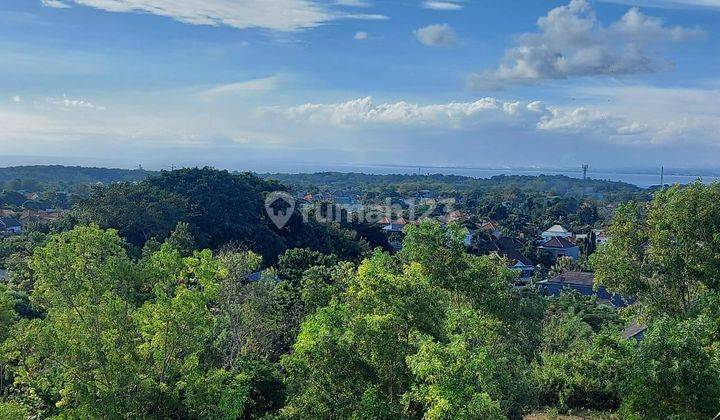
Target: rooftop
<point x="574" y="277"/>
<point x="558" y="243"/>
<point x="557" y="229"/>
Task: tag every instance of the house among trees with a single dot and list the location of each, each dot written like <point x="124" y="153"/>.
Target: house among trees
<point x="10" y="225"/>
<point x="556" y="231"/>
<point x="491" y="227"/>
<point x="601" y="237"/>
<point x="582" y="282"/>
<point x="520" y="263"/>
<point x="634" y="331"/>
<point x="395" y="226"/>
<point x="561" y="247"/>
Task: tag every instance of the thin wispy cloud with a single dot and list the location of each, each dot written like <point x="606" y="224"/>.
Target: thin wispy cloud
<point x="261" y="85"/>
<point x="66" y="103"/>
<point x="670" y="4"/>
<point x="278" y="15"/>
<point x="361" y="35"/>
<point x="572" y="42"/>
<point x="443" y="5"/>
<point x="57" y="4"/>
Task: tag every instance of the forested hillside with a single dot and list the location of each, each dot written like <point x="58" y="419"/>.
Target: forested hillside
<point x="57" y="174"/>
<point x="176" y="297"/>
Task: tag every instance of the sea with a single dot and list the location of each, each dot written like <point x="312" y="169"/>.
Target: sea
<point x="644" y="179"/>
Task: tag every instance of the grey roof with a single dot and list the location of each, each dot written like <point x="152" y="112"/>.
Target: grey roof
<point x="260" y="275"/>
<point x="517" y="257"/>
<point x="9" y="222"/>
<point x="574" y="277"/>
<point x="558" y="243"/>
<point x="503" y="244"/>
<point x="633" y="330"/>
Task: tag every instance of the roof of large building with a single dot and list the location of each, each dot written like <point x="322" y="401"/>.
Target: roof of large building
<point x="557" y="229"/>
<point x="574" y="277"/>
<point x="558" y="243"/>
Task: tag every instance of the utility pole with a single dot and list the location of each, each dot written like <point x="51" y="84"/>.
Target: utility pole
<point x="662" y="177"/>
<point x="585" y="168"/>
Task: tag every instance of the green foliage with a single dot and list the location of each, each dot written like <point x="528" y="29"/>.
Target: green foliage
<point x="299" y="327"/>
<point x="182" y="239"/>
<point x="294" y="262"/>
<point x="137" y="211"/>
<point x="675" y="373"/>
<point x="665" y="256"/>
<point x="578" y="368"/>
<point x="408" y="337"/>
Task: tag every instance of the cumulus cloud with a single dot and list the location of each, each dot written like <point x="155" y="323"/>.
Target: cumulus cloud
<point x="278" y="15"/>
<point x="535" y="115"/>
<point x="66" y="103"/>
<point x="16" y="99"/>
<point x="442" y="5"/>
<point x="437" y="35"/>
<point x="361" y="36"/>
<point x="572" y="42"/>
<point x="585" y="120"/>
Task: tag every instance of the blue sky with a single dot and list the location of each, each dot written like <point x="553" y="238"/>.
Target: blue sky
<point x="484" y="83"/>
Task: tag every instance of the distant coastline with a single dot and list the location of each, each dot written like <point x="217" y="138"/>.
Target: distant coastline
<point x="642" y="177"/>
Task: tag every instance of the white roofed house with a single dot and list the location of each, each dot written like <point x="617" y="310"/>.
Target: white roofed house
<point x="556" y="231"/>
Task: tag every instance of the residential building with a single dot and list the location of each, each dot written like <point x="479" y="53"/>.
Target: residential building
<point x="556" y="231"/>
<point x="584" y="283"/>
<point x="561" y="247"/>
<point x="491" y="228"/>
<point x="634" y="331"/>
<point x="9" y="225"/>
<point x="601" y="237"/>
<point x="520" y="263"/>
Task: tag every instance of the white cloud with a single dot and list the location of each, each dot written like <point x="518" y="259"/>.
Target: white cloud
<point x="361" y="35"/>
<point x="585" y="120"/>
<point x="641" y="115"/>
<point x="265" y="84"/>
<point x="279" y="15"/>
<point x="442" y="5"/>
<point x="670" y="4"/>
<point x="16" y="99"/>
<point x="66" y="103"/>
<point x="671" y="115"/>
<point x="572" y="42"/>
<point x="454" y="115"/>
<point x="353" y="3"/>
<point x="56" y="4"/>
<point x="364" y="111"/>
<point x="437" y="35"/>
